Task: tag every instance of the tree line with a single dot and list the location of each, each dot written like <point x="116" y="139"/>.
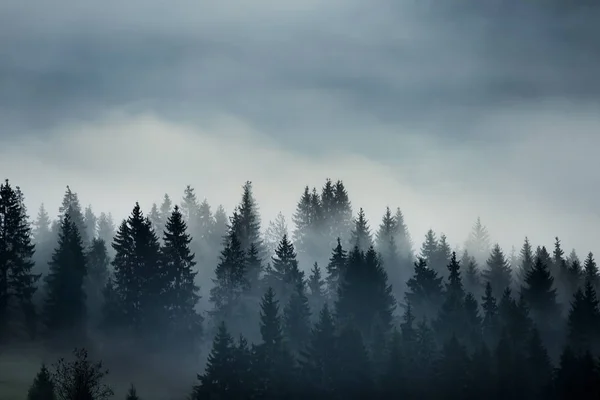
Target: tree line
<point x="369" y="317"/>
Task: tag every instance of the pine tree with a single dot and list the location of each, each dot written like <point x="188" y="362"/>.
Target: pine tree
<point x="139" y="283"/>
<point x="583" y="320"/>
<point x="441" y="257"/>
<point x="341" y="218"/>
<point x="17" y="279"/>
<point x="490" y="323"/>
<point x="317" y="295"/>
<point x="70" y="205"/>
<point x="355" y="372"/>
<point x="498" y="271"/>
<point x="304" y="223"/>
<point x="424" y="290"/>
<point x="526" y="260"/>
<point x="230" y="283"/>
<point x="403" y="238"/>
<point x="164" y="212"/>
<point x="254" y="268"/>
<point x="285" y="274"/>
<point x="361" y="234"/>
<point x="590" y="271"/>
<point x="97" y="262"/>
<point x="452" y="371"/>
<point x="539" y="367"/>
<point x="429" y="247"/>
<point x="190" y="209"/>
<point x="132" y="394"/>
<point x="275" y="231"/>
<point x="183" y="293"/>
<point x="335" y="269"/>
<point x="274" y="362"/>
<point x="44" y="240"/>
<point x="106" y="229"/>
<point x="154" y="217"/>
<point x="42" y="387"/>
<point x="386" y="232"/>
<point x="91" y="222"/>
<point x="319" y="362"/>
<point x="364" y="295"/>
<point x="387" y="246"/>
<point x="540" y="295"/>
<point x="247" y="226"/>
<point x="296" y="319"/>
<point x="478" y="243"/>
<point x="472" y="275"/>
<point x="65" y="305"/>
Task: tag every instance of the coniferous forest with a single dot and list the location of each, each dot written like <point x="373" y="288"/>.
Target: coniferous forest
<point x="328" y="305"/>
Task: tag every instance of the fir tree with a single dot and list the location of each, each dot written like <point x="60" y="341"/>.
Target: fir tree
<point x="17" y="279"/>
<point x="42" y="387"/>
<point x="361" y="234"/>
<point x="97" y="263"/>
<point x="539" y="368"/>
<point x="247" y="226"/>
<point x="275" y="231"/>
<point x="132" y="394"/>
<point x="220" y="378"/>
<point x="424" y="290"/>
<point x="164" y="212"/>
<point x="341" y="218"/>
<point x="355" y="377"/>
<point x="478" y="243"/>
<point x="526" y="260"/>
<point x="335" y="269"/>
<point x="317" y="295"/>
<point x="155" y="218"/>
<point x="429" y="247"/>
<point x="285" y="274"/>
<point x="441" y="257"/>
<point x="472" y="279"/>
<point x="70" y="205"/>
<point x="387" y="247"/>
<point x="91" y="222"/>
<point x="583" y="320"/>
<point x="319" y="362"/>
<point x="386" y="232"/>
<point x="540" y="295"/>
<point x="498" y="271"/>
<point x="452" y="371"/>
<point x="296" y="319"/>
<point x="183" y="293"/>
<point x="590" y="271"/>
<point x="451" y="319"/>
<point x="65" y="305"/>
<point x="403" y="238"/>
<point x="190" y="209"/>
<point x="106" y="229"/>
<point x="230" y="283"/>
<point x="304" y="222"/>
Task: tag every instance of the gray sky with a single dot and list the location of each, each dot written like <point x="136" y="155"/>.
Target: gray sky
<point x="440" y="109"/>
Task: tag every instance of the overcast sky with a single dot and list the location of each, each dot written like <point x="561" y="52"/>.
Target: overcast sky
<point x="447" y="111"/>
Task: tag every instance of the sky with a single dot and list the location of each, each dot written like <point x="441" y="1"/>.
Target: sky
<point x="448" y="110"/>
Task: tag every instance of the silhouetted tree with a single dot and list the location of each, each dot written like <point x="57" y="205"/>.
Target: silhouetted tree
<point x="498" y="272"/>
<point x="42" y="387"/>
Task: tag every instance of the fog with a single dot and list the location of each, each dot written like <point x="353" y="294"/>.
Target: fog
<point x="448" y="111"/>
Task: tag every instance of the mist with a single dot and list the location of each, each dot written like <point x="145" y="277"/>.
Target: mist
<point x="451" y="112"/>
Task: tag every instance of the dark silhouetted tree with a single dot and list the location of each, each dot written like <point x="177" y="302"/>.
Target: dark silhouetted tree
<point x="498" y="272"/>
<point x="42" y="387"/>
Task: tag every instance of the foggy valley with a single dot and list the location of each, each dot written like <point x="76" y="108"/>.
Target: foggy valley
<point x="297" y="200"/>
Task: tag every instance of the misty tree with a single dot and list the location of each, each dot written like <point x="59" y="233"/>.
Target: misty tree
<point x="526" y="261"/>
<point x="429" y="247"/>
<point x="472" y="277"/>
<point x="478" y="244"/>
<point x="65" y="309"/>
<point x="139" y="284"/>
<point x="17" y="279"/>
<point x="296" y="319"/>
<point x="91" y="222"/>
<point x="71" y="205"/>
<point x="441" y="257"/>
<point x="590" y="271"/>
<point x="155" y="218"/>
<point x="42" y="387"/>
<point x="361" y="234"/>
<point x="230" y="284"/>
<point x="189" y="208"/>
<point x="425" y="292"/>
<point x="317" y="295"/>
<point x="246" y="225"/>
<point x="275" y="231"/>
<point x="97" y="263"/>
<point x="80" y="378"/>
<point x="284" y="274"/>
<point x="106" y="229"/>
<point x="336" y="269"/>
<point x="132" y="393"/>
<point x="341" y="220"/>
<point x="403" y="238"/>
<point x="497" y="272"/>
<point x="181" y="289"/>
<point x="43" y="239"/>
<point x="307" y="225"/>
<point x="386" y="243"/>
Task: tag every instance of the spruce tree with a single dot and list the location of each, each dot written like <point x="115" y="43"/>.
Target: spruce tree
<point x="285" y="274"/>
<point x="355" y="379"/>
<point x="72" y="206"/>
<point x="403" y="237"/>
<point x="230" y="283"/>
<point x="44" y="239"/>
<point x="106" y="230"/>
<point x="335" y="269"/>
<point x="42" y="387"/>
<point x="386" y="231"/>
<point x="132" y="394"/>
<point x="97" y="262"/>
<point x="65" y="305"/>
<point x="424" y="290"/>
<point x="247" y="226"/>
<point x="296" y="319"/>
<point x="441" y="257"/>
<point x="319" y="362"/>
<point x="317" y="295"/>
<point x="472" y="275"/>
<point x="387" y="246"/>
<point x="590" y="271"/>
<point x="220" y="378"/>
<point x="583" y="320"/>
<point x="451" y="320"/>
<point x="164" y="212"/>
<point x="190" y="209"/>
<point x="361" y="234"/>
<point x="526" y="260"/>
<point x="478" y="243"/>
<point x="17" y="279"/>
<point x="304" y="222"/>
<point x="498" y="271"/>
<point x="275" y="231"/>
<point x="341" y="220"/>
<point x="91" y="223"/>
<point x="179" y="273"/>
<point x="452" y="376"/>
<point x="539" y="368"/>
<point x="540" y="295"/>
<point x="429" y="247"/>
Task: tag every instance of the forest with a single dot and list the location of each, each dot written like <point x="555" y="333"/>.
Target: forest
<point x="330" y="306"/>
